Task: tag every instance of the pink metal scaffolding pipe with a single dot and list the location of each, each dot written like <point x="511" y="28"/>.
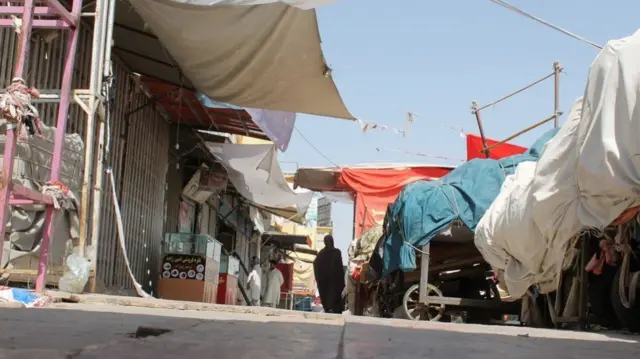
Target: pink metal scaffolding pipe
<point x="10" y="140"/>
<point x="63" y="111"/>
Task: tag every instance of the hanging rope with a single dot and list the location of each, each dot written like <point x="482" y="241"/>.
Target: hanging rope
<point x="546" y="23"/>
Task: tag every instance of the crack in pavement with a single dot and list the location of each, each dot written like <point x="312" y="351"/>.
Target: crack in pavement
<point x="340" y="354"/>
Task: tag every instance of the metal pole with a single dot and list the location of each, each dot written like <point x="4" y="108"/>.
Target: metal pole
<point x="98" y="178"/>
<point x="10" y="139"/>
<point x="95" y="80"/>
<point x="476" y="112"/>
<point x="556" y="101"/>
<point x="423" y="293"/>
<point x="61" y="126"/>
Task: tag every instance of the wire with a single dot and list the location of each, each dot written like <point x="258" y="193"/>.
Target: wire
<point x="314" y="147"/>
<point x="546" y="23"/>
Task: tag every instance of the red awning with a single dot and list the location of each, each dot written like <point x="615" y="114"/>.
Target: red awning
<point x="190" y="112"/>
<point x="376" y="188"/>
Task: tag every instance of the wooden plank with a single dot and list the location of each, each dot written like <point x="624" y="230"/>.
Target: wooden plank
<point x="472" y="303"/>
<point x="424" y="273"/>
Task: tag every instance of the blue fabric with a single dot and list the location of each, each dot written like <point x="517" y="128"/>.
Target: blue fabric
<point x="24" y="296"/>
<point x="425" y="208"/>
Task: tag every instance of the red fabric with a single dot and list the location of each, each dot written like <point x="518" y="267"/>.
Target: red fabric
<point x="287" y="275"/>
<point x="376" y="188"/>
<point x="474" y="148"/>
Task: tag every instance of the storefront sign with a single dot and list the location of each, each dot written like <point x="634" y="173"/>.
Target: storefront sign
<point x="183" y="266"/>
<point x="203" y="184"/>
<point x="324" y="212"/>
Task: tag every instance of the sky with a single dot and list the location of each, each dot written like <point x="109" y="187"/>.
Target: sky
<point x="434" y="58"/>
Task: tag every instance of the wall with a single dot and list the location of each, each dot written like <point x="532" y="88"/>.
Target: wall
<point x="139" y="165"/>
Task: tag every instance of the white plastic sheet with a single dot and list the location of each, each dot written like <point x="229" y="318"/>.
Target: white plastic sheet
<point x="588" y="174"/>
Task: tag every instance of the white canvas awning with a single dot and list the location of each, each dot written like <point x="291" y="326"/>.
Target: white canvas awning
<point x="264" y="56"/>
<point x="256" y="175"/>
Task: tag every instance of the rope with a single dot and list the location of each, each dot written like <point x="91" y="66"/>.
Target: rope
<point x="546" y="23"/>
<point x="315" y="148"/>
<point x="120" y="227"/>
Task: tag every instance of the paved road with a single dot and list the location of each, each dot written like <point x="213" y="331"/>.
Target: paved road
<point x="84" y="331"/>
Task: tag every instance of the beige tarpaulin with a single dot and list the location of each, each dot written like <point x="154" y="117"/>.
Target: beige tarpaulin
<point x="263" y="56"/>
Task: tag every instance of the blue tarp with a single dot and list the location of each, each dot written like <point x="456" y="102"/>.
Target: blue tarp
<point x="425" y="208"/>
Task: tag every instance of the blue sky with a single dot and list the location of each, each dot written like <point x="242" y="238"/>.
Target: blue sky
<point x="433" y="58"/>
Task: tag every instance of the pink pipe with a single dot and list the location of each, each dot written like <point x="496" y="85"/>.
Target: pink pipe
<point x="61" y="126"/>
<point x="10" y="138"/>
<point x="43" y="24"/>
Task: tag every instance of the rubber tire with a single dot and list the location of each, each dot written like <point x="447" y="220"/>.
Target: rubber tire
<point x="628" y="317"/>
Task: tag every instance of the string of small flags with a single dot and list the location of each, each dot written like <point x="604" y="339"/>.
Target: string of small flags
<point x="458" y="129"/>
<point x="365" y="126"/>
<point x="418" y="154"/>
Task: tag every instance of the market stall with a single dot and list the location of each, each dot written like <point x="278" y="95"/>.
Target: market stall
<point x="191" y="264"/>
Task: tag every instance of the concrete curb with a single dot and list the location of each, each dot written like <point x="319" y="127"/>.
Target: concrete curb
<point x="178" y="305"/>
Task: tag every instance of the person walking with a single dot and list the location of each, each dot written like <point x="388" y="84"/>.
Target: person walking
<point x="329" y="273"/>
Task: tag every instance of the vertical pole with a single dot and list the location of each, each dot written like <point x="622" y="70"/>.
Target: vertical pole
<point x="6" y="174"/>
<point x="61" y="126"/>
<point x="476" y="112"/>
<point x="95" y="79"/>
<point x="99" y="173"/>
<point x="556" y="100"/>
<point x="355" y="218"/>
<point x="424" y="274"/>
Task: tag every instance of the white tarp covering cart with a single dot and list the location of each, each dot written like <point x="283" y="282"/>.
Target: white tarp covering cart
<point x="586" y="177"/>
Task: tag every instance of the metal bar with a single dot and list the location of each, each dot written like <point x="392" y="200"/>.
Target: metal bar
<point x="21" y="192"/>
<point x="95" y="79"/>
<point x="53" y="96"/>
<point x="476" y="112"/>
<point x="131" y="29"/>
<point x="96" y="215"/>
<point x="16" y="10"/>
<point x="6" y="174"/>
<point x="519" y="133"/>
<point x="556" y="98"/>
<point x="61" y="126"/>
<point x="142" y="56"/>
<point x="515" y="92"/>
<point x="470" y="303"/>
<point x="424" y="274"/>
<point x="583" y="301"/>
<point x="68" y="17"/>
<point x="41" y="24"/>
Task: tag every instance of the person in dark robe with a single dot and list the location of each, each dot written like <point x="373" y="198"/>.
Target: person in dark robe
<point x="329" y="274"/>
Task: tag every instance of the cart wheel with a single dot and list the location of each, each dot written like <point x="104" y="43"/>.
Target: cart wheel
<point x="410" y="304"/>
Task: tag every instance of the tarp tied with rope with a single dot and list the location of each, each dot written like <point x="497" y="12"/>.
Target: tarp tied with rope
<point x="426" y="208"/>
<point x="256" y="54"/>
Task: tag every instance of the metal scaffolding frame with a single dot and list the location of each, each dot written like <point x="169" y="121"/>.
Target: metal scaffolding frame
<point x="475" y="109"/>
<point x="52" y="14"/>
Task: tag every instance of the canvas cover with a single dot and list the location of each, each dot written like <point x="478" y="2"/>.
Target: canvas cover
<point x="265" y="56"/>
<point x="425" y="208"/>
<point x="255" y="173"/>
<point x="587" y="176"/>
<point x="375" y="188"/>
<point x="32" y="168"/>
